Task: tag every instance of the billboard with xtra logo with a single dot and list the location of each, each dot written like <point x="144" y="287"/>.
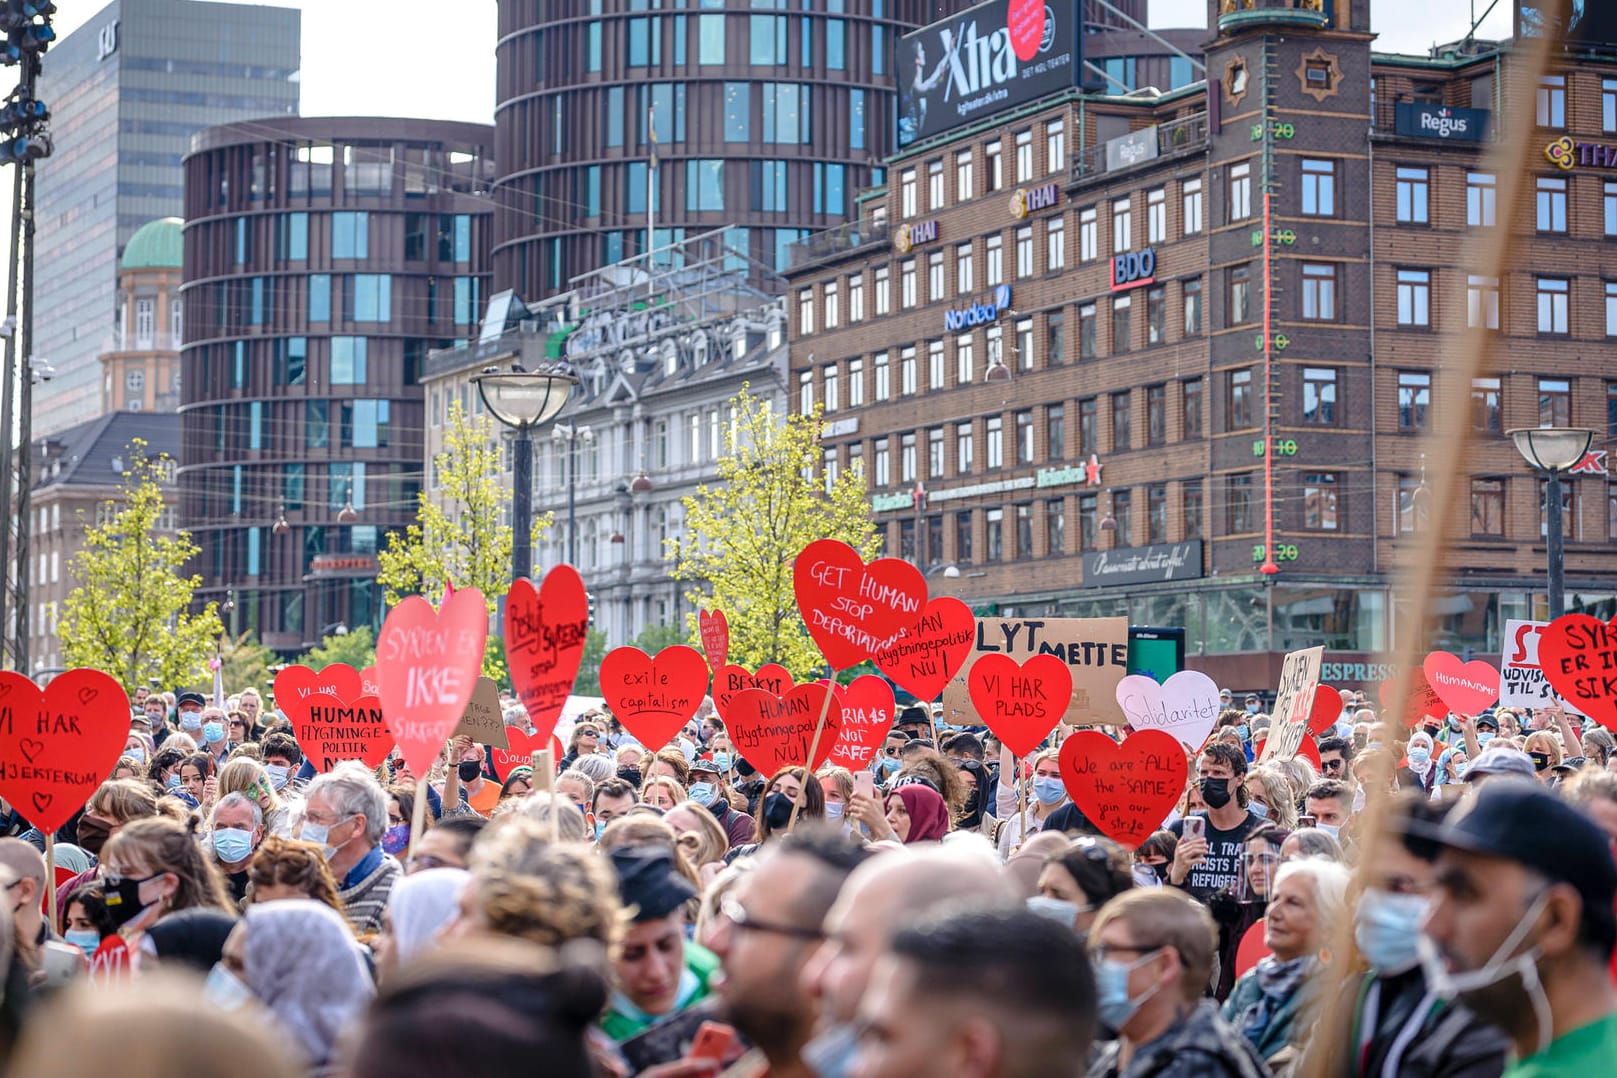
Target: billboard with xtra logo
<point x="983" y="60"/>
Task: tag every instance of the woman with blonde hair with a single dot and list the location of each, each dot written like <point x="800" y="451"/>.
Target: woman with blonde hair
<point x="662" y="792"/>
<point x="248" y="777"/>
<point x="701" y="839"/>
<point x="1300" y="774"/>
<point x="155" y="867"/>
<point x="836" y="784"/>
<point x="525" y="886"/>
<point x="1545" y="749"/>
<point x="1268" y="787"/>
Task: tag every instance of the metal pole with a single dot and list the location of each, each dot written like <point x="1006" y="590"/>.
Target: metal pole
<point x="522" y="505"/>
<point x="572" y="492"/>
<point x="1557" y="546"/>
<point x="8" y="386"/>
<point x="25" y="409"/>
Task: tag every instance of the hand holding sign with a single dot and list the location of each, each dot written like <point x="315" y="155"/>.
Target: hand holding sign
<point x="852" y="610"/>
<point x="1127" y="789"/>
<point x="714" y="628"/>
<point x="923" y="658"/>
<point x="653" y="698"/>
<point x="867" y="716"/>
<point x="1466" y="687"/>
<point x="427" y="662"/>
<point x="1185" y="706"/>
<point x="1020" y="703"/>
<point x="773" y="732"/>
<point x="58" y="746"/>
<point x="1579" y="656"/>
<point x="545" y="632"/>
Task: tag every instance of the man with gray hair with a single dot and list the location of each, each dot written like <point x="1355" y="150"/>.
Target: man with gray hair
<point x="346" y="813"/>
<point x="235" y="830"/>
<point x="24" y="889"/>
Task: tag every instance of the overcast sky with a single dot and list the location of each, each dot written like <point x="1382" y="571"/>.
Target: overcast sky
<point x="435" y="60"/>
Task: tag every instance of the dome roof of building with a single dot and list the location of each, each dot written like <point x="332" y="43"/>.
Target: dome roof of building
<point x="155" y="244"/>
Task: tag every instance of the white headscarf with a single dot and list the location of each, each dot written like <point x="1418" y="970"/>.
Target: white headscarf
<point x="305" y="966"/>
<point x="420" y="905"/>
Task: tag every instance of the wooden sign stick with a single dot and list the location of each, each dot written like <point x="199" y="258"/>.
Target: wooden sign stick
<point x="814" y="747"/>
<point x="544" y="779"/>
<point x="50" y="877"/>
<point x="418" y="817"/>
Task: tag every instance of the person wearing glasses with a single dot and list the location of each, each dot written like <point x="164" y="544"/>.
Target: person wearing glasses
<point x="1336" y="759"/>
<point x="656" y="972"/>
<point x="1152" y="952"/>
<point x="585" y="740"/>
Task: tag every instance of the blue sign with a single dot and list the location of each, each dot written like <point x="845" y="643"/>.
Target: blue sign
<point x="978" y="314"/>
<point x="1423" y="120"/>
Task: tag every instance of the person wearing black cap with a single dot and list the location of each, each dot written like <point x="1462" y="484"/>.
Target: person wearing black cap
<point x="656" y="971"/>
<point x="1521" y="926"/>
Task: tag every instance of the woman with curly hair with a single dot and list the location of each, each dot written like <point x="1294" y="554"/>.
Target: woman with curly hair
<point x="525" y="886"/>
<point x="285" y="868"/>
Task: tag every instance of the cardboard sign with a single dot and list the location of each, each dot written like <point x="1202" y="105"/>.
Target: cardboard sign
<point x="297" y="688"/>
<point x="1184" y="707"/>
<point x="1095" y="650"/>
<point x="852" y="610"/>
<point x="1466" y="687"/>
<point x="1579" y="656"/>
<point x="714" y="629"/>
<point x="925" y="657"/>
<point x="1521" y="679"/>
<point x="545" y="633"/>
<point x="654" y="698"/>
<point x="1020" y="702"/>
<point x="867" y="716"/>
<point x="58" y="746"/>
<point x="773" y="732"/>
<point x="428" y="662"/>
<point x="1294" y="703"/>
<point x="520" y="752"/>
<point x="1422" y="700"/>
<point x="1127" y="790"/>
<point x="332" y="730"/>
<point x="771" y="677"/>
<point x="483" y="720"/>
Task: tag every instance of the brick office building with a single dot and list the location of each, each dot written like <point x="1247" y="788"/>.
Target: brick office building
<point x="1044" y="343"/>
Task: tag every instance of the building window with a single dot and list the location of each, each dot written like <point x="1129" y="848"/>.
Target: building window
<point x="1190" y="399"/>
<point x="934" y="365"/>
<point x="962" y="537"/>
<point x="805" y="392"/>
<point x="908" y="382"/>
<point x="1479" y="199"/>
<point x="1319" y="188"/>
<point x="1488" y="508"/>
<point x="1120" y="323"/>
<point x="994" y="442"/>
<point x="1550" y="101"/>
<point x="907" y="463"/>
<point x="1242" y="514"/>
<point x="994" y="164"/>
<point x="1611" y="309"/>
<point x="1609" y="206"/>
<point x="1193" y="307"/>
<point x="1414" y="397"/>
<point x="1413" y="189"/>
<point x="1553" y="296"/>
<point x="1156" y="216"/>
<point x="964" y="444"/>
<point x="1123" y="515"/>
<point x="1122" y="226"/>
<point x="1024" y="251"/>
<point x="934" y="276"/>
<point x="348" y="360"/>
<point x="1319" y="501"/>
<point x="1482" y="302"/>
<point x="1554" y="402"/>
<point x="1088" y="522"/>
<point x="1086" y="331"/>
<point x="1055" y="432"/>
<point x="1156" y="315"/>
<point x="830" y="392"/>
<point x="882" y="472"/>
<point x="1551" y="204"/>
<point x="1120" y="421"/>
<point x="1569" y="514"/>
<point x="1190" y="508"/>
<point x="1156" y="414"/>
<point x="1024" y="344"/>
<point x="1055" y="146"/>
<point x="1055" y="527"/>
<point x="964" y="361"/>
<point x="964" y="187"/>
<point x="882" y="288"/>
<point x="1192" y="198"/>
<point x="1319" y="396"/>
<point x="1024" y="530"/>
<point x="907" y="293"/>
<point x="1319" y="292"/>
<point x="884" y="379"/>
<point x="1055" y="244"/>
<point x="1241" y="406"/>
<point x="856" y="383"/>
<point x="805" y="312"/>
<point x="934" y="453"/>
<point x="856" y="298"/>
<point x="908" y="196"/>
<point x="1485" y="405"/>
<point x="145" y="323"/>
<point x="1241" y="191"/>
<point x="350" y="235"/>
<point x="1024" y="156"/>
<point x="962" y="269"/>
<point x="1088" y="234"/>
<point x="1240" y="295"/>
<point x="1608" y="105"/>
<point x="995" y="248"/>
<point x="832" y="305"/>
<point x="319" y="297"/>
<point x="1088" y="436"/>
<point x="1414" y="297"/>
<point x="934" y="184"/>
<point x="1055" y="337"/>
<point x="1156" y="514"/>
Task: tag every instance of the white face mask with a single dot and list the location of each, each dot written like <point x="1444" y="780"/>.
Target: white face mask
<point x="1500" y="965"/>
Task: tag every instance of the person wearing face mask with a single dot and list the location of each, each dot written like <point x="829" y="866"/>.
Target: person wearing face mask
<point x="282" y="759"/>
<point x="114" y="804"/>
<point x="1205" y="866"/>
<point x="656" y="971"/>
<point x="775" y="811"/>
<point x="252" y="779"/>
<point x="467" y="758"/>
<point x="1152" y="951"/>
<point x="188" y="711"/>
<point x="235" y="830"/>
<point x="707" y="789"/>
<point x="1521" y="926"/>
<point x="152" y="868"/>
<point x="1045" y="793"/>
<point x="85" y="921"/>
<point x="215" y="739"/>
<point x="346" y="813"/>
<point x="1079" y="880"/>
<point x="1420" y="769"/>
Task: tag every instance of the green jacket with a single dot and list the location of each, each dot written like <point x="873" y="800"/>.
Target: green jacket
<point x="623" y="1019"/>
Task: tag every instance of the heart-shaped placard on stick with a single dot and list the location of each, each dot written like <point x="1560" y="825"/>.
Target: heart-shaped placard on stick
<point x="714" y="629"/>
<point x="1185" y="706"/>
<point x="1327" y="709"/>
<point x="297" y="688"/>
<point x="729" y="680"/>
<point x="333" y="730"/>
<point x="1578" y="655"/>
<point x="1307" y="749"/>
<point x="1466" y="687"/>
<point x="1022" y="703"/>
<point x="59" y="745"/>
<point x="852" y="610"/>
<point x="773" y="732"/>
<point x="427" y="662"/>
<point x="368" y="685"/>
<point x="1127" y="789"/>
<point x="867" y="716"/>
<point x="1422" y="700"/>
<point x="520" y="754"/>
<point x="545" y="631"/>
<point x="653" y="698"/>
<point x="926" y="656"/>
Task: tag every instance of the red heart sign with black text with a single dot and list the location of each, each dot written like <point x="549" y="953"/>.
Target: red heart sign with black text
<point x="714" y="629"/>
<point x="852" y="610"/>
<point x="1466" y="687"/>
<point x="729" y="680"/>
<point x="929" y="653"/>
<point x="1578" y="655"/>
<point x="520" y="754"/>
<point x="867" y="716"/>
<point x="299" y="688"/>
<point x="1327" y="709"/>
<point x="335" y="730"/>
<point x="1422" y="700"/>
<point x="58" y="746"/>
<point x="428" y="662"/>
<point x="1020" y="703"/>
<point x="545" y="631"/>
<point x="772" y="732"/>
<point x="654" y="698"/>
<point x="1127" y="789"/>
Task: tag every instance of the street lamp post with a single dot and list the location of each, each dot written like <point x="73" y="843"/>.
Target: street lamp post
<point x="1553" y="450"/>
<point x="572" y="434"/>
<point x="522" y="400"/>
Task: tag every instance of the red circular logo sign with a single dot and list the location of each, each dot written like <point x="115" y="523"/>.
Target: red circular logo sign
<point x="1025" y="21"/>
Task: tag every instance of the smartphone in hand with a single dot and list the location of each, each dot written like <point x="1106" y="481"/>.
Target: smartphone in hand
<point x="1195" y="827"/>
<point x="713" y="1041"/>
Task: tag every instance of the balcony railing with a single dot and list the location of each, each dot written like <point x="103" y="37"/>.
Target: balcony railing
<point x="1173" y="137"/>
<point x="1236" y="13"/>
<point x="836" y="241"/>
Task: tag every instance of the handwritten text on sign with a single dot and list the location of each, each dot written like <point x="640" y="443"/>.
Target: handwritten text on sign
<point x="545" y="631"/>
<point x="926" y="656"/>
<point x="1095" y="651"/>
<point x="1127" y="789"/>
<point x="1579" y="656"/>
<point x="427" y="662"/>
<point x="772" y="732"/>
<point x="1294" y="702"/>
<point x="338" y="731"/>
<point x="1521" y="679"/>
<point x="1185" y="706"/>
<point x="867" y="716"/>
<point x="852" y="609"/>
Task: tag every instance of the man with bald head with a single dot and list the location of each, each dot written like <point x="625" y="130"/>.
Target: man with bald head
<point x="24" y="894"/>
<point x="880" y="897"/>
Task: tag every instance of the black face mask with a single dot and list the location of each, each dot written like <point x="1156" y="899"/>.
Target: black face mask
<point x="1216" y="792"/>
<point x="777" y="811"/>
<point x="469" y="770"/>
<point x="631" y="775"/>
<point x="123" y="898"/>
<point x="1432" y="729"/>
<point x="1162" y="870"/>
<point x="93" y="835"/>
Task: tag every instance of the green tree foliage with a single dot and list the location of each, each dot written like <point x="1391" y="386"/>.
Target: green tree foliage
<point x="356" y="647"/>
<point x="129" y="612"/>
<point x="246" y="663"/>
<point x="588" y="682"/>
<point x="744" y="531"/>
<point x="653" y="638"/>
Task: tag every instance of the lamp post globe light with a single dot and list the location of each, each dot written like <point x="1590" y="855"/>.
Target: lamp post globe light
<point x="523" y="400"/>
<point x="1553" y="450"/>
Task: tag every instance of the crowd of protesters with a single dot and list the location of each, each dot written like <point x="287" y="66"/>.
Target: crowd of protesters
<point x="1440" y="902"/>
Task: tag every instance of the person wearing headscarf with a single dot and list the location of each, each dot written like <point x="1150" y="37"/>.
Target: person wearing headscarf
<point x="917" y="813"/>
<point x="192" y="939"/>
<point x="1420" y="762"/>
<point x="299" y="959"/>
<point x="976" y="815"/>
<point x="418" y="907"/>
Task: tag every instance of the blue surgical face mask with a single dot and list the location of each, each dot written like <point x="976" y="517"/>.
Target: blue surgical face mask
<point x="833" y="810"/>
<point x="1385" y="926"/>
<point x="1059" y="910"/>
<point x="85" y="939"/>
<point x="213" y="731"/>
<point x="1332" y="829"/>
<point x="1244" y="730"/>
<point x="278" y="774"/>
<point x="1419" y="757"/>
<point x="1258" y="809"/>
<point x="1252" y="709"/>
<point x="702" y="793"/>
<point x="225" y="990"/>
<point x="600" y="829"/>
<point x="1112" y="1001"/>
<point x="232" y="844"/>
<point x="190" y="720"/>
<point x="721" y="760"/>
<point x="1049" y="789"/>
<point x="1483" y="739"/>
<point x="174" y="781"/>
<point x="136" y="753"/>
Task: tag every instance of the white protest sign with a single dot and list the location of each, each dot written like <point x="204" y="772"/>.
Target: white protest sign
<point x="1521" y="681"/>
<point x="1294" y="703"/>
<point x="1185" y="706"/>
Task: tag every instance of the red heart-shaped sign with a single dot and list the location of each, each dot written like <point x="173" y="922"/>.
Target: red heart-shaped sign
<point x="1127" y="789"/>
<point x="545" y="631"/>
<point x="368" y="685"/>
<point x="428" y="662"/>
<point x="714" y="629"/>
<point x="298" y="688"/>
<point x="653" y="698"/>
<point x="1327" y="709"/>
<point x="867" y="716"/>
<point x="929" y="653"/>
<point x="1251" y="949"/>
<point x="771" y="677"/>
<point x="58" y="746"/>
<point x="1578" y="655"/>
<point x="1022" y="703"/>
<point x="1422" y="700"/>
<point x="520" y="754"/>
<point x="1466" y="687"/>
<point x="1307" y="748"/>
<point x="852" y="610"/>
<point x="334" y="730"/>
<point x="773" y="732"/>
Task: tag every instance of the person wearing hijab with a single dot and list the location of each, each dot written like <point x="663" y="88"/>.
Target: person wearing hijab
<point x="417" y="908"/>
<point x="299" y="959"/>
<point x="916" y="813"/>
<point x="1420" y="760"/>
<point x="193" y="938"/>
